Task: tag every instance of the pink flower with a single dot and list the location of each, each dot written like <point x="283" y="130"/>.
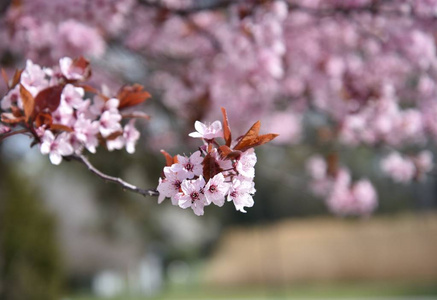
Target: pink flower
<point x="72" y="96"/>
<point x="192" y="195"/>
<point x="33" y="78"/>
<point x="109" y="123"/>
<point x="246" y="163"/>
<point x="100" y="105"/>
<point x="240" y="192"/>
<point x="116" y="143"/>
<point x="12" y="98"/>
<point x="316" y="167"/>
<point x="77" y="38"/>
<point x="216" y="189"/>
<point x="340" y="200"/>
<point x="86" y="131"/>
<point x="207" y="132"/>
<point x="4" y="128"/>
<point x="287" y="124"/>
<point x="365" y="196"/>
<point x="64" y="115"/>
<point x="55" y="147"/>
<point x="398" y="168"/>
<point x="131" y="136"/>
<point x="192" y="166"/>
<point x="170" y="185"/>
<point x="67" y="69"/>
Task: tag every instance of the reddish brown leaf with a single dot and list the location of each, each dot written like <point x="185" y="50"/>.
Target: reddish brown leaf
<point x="9" y="118"/>
<point x="82" y="66"/>
<point x="5" y="77"/>
<point x="16" y="111"/>
<point x="28" y="102"/>
<point x="252" y="139"/>
<point x="132" y="95"/>
<point x="226" y="130"/>
<point x="60" y="127"/>
<point x="16" y="3"/>
<point x="43" y="119"/>
<point x="169" y="160"/>
<point x="48" y="99"/>
<point x="210" y="167"/>
<point x="16" y="78"/>
<point x="81" y="62"/>
<point x="228" y="153"/>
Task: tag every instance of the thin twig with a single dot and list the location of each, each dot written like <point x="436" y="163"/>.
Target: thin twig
<point x="125" y="185"/>
<point x="11" y="133"/>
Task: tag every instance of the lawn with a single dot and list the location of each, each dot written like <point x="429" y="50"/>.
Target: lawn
<point x="320" y="291"/>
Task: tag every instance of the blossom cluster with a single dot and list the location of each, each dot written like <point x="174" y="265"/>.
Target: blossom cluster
<point x="363" y="71"/>
<point x="213" y="173"/>
<point x="341" y="195"/>
<point x="404" y="169"/>
<point x="46" y="30"/>
<point x="52" y="105"/>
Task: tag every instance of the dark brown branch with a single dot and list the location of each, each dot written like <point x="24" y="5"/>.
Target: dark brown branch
<point x="124" y="185"/>
<point x="11" y="133"/>
<point x="211" y="5"/>
<point x="375" y="7"/>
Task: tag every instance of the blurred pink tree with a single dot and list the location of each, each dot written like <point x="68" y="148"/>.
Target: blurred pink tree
<point x="359" y="72"/>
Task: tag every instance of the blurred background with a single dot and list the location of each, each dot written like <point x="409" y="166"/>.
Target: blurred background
<point x="348" y="85"/>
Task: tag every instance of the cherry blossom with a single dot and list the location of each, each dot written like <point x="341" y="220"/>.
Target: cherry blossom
<point x="170" y="185"/>
<point x="212" y="174"/>
<point x="55" y="147"/>
<point x="4" y="129"/>
<point x="240" y="192"/>
<point x="399" y="168"/>
<point x="12" y="98"/>
<point x="216" y="189"/>
<point x="341" y="195"/>
<point x="316" y="167"/>
<point x="34" y="78"/>
<point x="366" y="198"/>
<point x="69" y="70"/>
<point x="86" y="132"/>
<point x="190" y="165"/>
<point x="130" y="136"/>
<point x="359" y="73"/>
<point x="72" y="96"/>
<point x="207" y="132"/>
<point x="246" y="163"/>
<point x="60" y="119"/>
<point x="109" y="123"/>
<point x="192" y="195"/>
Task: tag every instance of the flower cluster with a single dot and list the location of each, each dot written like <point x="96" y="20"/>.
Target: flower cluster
<point x="341" y="196"/>
<point x="403" y="169"/>
<point x="213" y="173"/>
<point x="52" y="105"/>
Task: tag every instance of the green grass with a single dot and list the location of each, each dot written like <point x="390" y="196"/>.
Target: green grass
<point x="319" y="291"/>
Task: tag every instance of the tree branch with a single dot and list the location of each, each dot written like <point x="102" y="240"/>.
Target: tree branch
<point x="11" y="133"/>
<point x="375" y="7"/>
<point x="125" y="185"/>
<point x="210" y="5"/>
